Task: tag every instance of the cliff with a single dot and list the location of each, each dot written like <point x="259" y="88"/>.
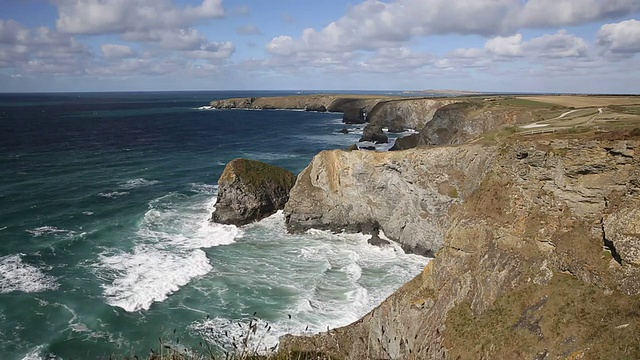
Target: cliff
<point x="457" y="123"/>
<point x="319" y="102"/>
<point x="405" y="194"/>
<point x="250" y="190"/>
<point x="405" y="114"/>
<point x="539" y="247"/>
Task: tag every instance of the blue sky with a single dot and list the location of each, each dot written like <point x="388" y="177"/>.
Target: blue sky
<point x="580" y="46"/>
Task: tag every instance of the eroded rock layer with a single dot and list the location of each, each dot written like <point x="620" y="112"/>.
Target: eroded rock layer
<point x="538" y="250"/>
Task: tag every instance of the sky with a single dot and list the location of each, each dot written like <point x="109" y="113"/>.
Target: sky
<point x="552" y="46"/>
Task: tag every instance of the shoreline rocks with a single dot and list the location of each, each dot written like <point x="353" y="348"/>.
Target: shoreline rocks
<point x="251" y="190"/>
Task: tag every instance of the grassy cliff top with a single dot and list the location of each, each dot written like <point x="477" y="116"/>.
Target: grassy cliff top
<point x="257" y="174"/>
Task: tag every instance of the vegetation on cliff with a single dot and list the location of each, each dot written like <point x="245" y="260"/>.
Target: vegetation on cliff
<point x="250" y="190"/>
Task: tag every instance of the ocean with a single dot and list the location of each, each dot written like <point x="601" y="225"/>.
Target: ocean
<point x="106" y="247"/>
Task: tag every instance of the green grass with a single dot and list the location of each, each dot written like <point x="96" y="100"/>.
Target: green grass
<point x="258" y="174"/>
<point x="523" y="102"/>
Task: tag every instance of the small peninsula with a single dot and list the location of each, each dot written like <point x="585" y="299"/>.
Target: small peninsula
<point x="528" y="204"/>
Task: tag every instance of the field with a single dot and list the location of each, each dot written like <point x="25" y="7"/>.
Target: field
<point x="579" y="101"/>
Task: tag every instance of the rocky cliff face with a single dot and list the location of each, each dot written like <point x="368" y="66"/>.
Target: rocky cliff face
<point x="400" y="115"/>
<point x="250" y="190"/>
<point x="407" y="195"/>
<point x="321" y="102"/>
<point x="406" y="114"/>
<point x="539" y="248"/>
<point x="460" y="122"/>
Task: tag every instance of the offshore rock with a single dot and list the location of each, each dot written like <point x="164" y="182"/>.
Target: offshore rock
<point x="250" y="190"/>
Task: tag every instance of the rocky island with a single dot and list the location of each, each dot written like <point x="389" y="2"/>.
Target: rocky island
<point x="529" y="206"/>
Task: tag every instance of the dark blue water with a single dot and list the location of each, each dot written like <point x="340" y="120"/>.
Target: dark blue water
<point x="105" y="242"/>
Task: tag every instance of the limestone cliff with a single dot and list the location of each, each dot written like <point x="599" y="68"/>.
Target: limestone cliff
<point x="404" y="114"/>
<point x="460" y="122"/>
<point x="406" y="195"/>
<point x="401" y="114"/>
<point x="250" y="190"/>
<point x="539" y="247"/>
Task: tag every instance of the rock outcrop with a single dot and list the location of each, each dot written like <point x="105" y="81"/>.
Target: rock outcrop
<point x="538" y="254"/>
<point x="406" y="114"/>
<point x="407" y="195"/>
<point x="374" y="135"/>
<point x="250" y="190"/>
<point x="353" y="116"/>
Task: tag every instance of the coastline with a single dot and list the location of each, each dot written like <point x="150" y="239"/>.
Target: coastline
<point x="490" y="227"/>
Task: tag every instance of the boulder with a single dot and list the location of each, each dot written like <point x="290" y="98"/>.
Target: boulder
<point x="250" y="190"/>
<point x="374" y="135"/>
<point x="406" y="142"/>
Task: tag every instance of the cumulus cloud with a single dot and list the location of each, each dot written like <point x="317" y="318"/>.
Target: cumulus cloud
<point x="546" y="13"/>
<point x="12" y="32"/>
<point x="213" y="51"/>
<point x="117" y="51"/>
<point x="40" y="50"/>
<point x="621" y="38"/>
<point x="510" y="46"/>
<point x="123" y="16"/>
<point x="373" y="24"/>
<point x="558" y="45"/>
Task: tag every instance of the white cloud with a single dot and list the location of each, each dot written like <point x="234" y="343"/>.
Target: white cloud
<point x="558" y="45"/>
<point x="123" y="16"/>
<point x="510" y="46"/>
<point x="40" y="49"/>
<point x="12" y="32"/>
<point x="213" y="51"/>
<point x="374" y="24"/>
<point x="621" y="38"/>
<point x="547" y="13"/>
<point x="117" y="51"/>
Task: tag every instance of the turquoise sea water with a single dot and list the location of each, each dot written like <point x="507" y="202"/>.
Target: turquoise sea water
<point x="105" y="238"/>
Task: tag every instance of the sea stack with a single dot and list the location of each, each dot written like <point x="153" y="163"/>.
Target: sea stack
<point x="251" y="190"/>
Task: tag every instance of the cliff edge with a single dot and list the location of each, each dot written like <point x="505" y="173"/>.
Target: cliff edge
<point x="538" y="254"/>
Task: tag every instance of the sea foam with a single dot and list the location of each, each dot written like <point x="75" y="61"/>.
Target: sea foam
<point x="137" y="183"/>
<point x="168" y="253"/>
<point x="329" y="280"/>
<point x="148" y="275"/>
<point x="15" y="275"/>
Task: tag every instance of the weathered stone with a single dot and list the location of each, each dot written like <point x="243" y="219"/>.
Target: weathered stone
<point x="406" y="142"/>
<point x="374" y="135"/>
<point x="353" y="116"/>
<point x="407" y="194"/>
<point x="316" y="107"/>
<point x="622" y="233"/>
<point x="521" y="257"/>
<point x="250" y="190"/>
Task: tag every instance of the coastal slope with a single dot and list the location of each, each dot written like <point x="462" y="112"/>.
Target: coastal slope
<point x="538" y="260"/>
